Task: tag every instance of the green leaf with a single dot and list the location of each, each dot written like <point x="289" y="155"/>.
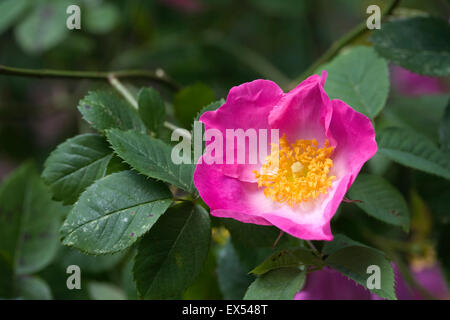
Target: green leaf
<point x="251" y="257"/>
<point x="75" y="165"/>
<point x="33" y="288"/>
<point x="419" y="44"/>
<point x="413" y="150"/>
<point x="213" y="106"/>
<point x="197" y="137"/>
<point x="101" y="19"/>
<point x="379" y="164"/>
<point x="380" y="200"/>
<point x="114" y="212"/>
<point x="206" y="286"/>
<point x="339" y="242"/>
<point x="90" y="264"/>
<point x="421" y="114"/>
<point x="6" y="277"/>
<point x="253" y="250"/>
<point x="444" y="130"/>
<point x="39" y="228"/>
<point x="116" y="164"/>
<point x="353" y="262"/>
<point x="105" y="291"/>
<point x="105" y="110"/>
<point x="280" y="284"/>
<point x="29" y="221"/>
<point x="232" y="275"/>
<point x="190" y="100"/>
<point x="151" y="109"/>
<point x="151" y="157"/>
<point x="360" y="78"/>
<point x="173" y="253"/>
<point x="44" y="28"/>
<point x="12" y="211"/>
<point x="435" y="192"/>
<point x="127" y="280"/>
<point x="288" y="258"/>
<point x="261" y="236"/>
<point x="10" y="10"/>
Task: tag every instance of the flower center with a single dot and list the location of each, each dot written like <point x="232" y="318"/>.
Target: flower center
<point x="295" y="173"/>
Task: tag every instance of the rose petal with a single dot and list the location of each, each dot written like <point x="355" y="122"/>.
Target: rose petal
<point x="231" y="198"/>
<point x="247" y="107"/>
<point x="305" y="112"/>
<point x="227" y="197"/>
<point x="310" y="220"/>
<point x="355" y="138"/>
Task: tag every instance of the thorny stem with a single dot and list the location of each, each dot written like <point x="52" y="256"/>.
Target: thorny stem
<point x="314" y="269"/>
<point x="341" y="43"/>
<point x="161" y="77"/>
<point x="277" y="239"/>
<point x="313" y="248"/>
<point x="158" y="76"/>
<point x="181" y="200"/>
<point x="347" y="200"/>
<point x="123" y="91"/>
<point x="112" y="77"/>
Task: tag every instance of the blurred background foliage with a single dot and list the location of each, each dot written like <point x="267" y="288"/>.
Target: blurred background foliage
<point x="210" y="46"/>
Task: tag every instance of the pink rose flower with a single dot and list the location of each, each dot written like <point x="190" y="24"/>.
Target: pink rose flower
<point x="409" y="83"/>
<point x="323" y="145"/>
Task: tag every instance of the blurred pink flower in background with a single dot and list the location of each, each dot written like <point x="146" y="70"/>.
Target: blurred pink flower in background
<point x="328" y="284"/>
<point x="409" y="83"/>
<point x="430" y="278"/>
<point x="186" y="6"/>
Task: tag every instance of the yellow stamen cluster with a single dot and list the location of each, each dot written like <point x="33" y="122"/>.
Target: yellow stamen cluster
<point x="295" y="173"/>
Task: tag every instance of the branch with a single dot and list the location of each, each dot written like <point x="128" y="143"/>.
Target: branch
<point x="123" y="91"/>
<point x="313" y="248"/>
<point x="341" y="43"/>
<point x="116" y="84"/>
<point x="158" y="76"/>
